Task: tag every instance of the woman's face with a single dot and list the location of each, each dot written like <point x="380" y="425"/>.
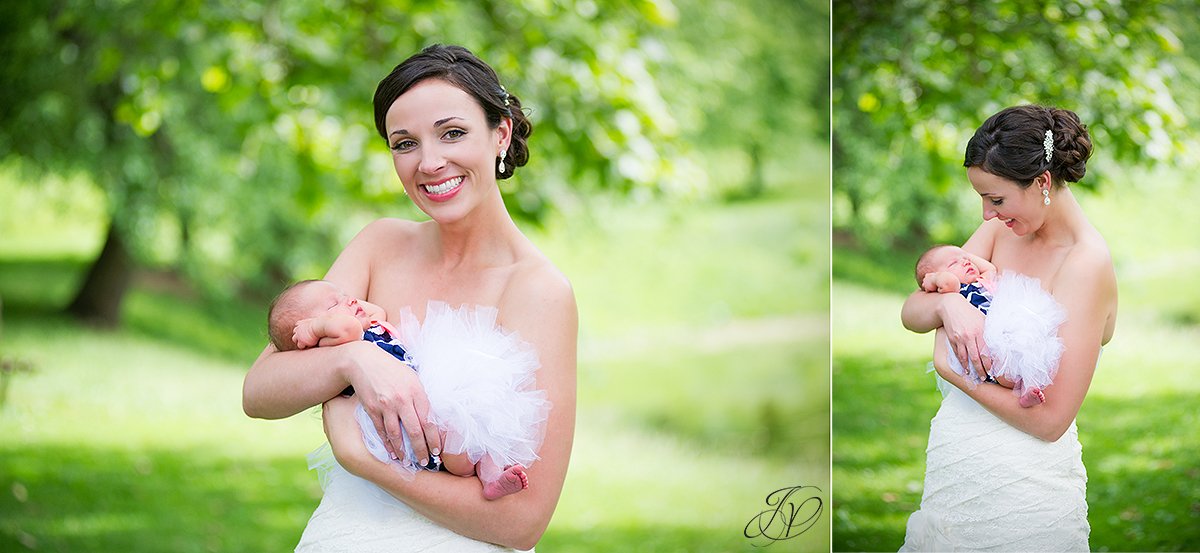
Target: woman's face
<point x="1021" y="209"/>
<point x="442" y="148"/>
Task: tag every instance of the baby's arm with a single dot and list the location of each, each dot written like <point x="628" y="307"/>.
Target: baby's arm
<point x="327" y="330"/>
<point x="373" y="311"/>
<point x="942" y="282"/>
<point x="987" y="271"/>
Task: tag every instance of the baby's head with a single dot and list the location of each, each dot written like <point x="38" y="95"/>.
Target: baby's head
<point x="951" y="259"/>
<point x="304" y="300"/>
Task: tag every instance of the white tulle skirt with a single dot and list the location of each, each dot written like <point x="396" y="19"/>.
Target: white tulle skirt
<point x="991" y="487"/>
<point x="1021" y="332"/>
<point x="479" y="379"/>
<point x="356" y="516"/>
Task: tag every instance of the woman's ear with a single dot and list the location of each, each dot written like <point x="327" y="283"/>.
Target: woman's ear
<point x="1044" y="181"/>
<point x="504" y="134"/>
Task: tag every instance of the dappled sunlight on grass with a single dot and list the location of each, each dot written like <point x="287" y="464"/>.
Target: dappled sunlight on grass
<point x="653" y="481"/>
<point x="767" y="400"/>
<point x="82" y="497"/>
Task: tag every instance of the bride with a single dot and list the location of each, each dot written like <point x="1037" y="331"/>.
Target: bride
<point x="999" y="476"/>
<point x="453" y="131"/>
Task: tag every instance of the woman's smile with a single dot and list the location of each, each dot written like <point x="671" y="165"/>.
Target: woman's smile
<point x="443" y="190"/>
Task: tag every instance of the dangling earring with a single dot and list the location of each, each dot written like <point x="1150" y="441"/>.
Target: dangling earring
<point x="1045" y="197"/>
<point x="502" y="154"/>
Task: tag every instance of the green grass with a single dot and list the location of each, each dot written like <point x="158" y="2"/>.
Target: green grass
<point x="702" y="388"/>
<point x="1137" y="425"/>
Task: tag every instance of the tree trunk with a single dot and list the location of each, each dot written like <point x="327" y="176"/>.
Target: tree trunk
<point x="99" y="298"/>
<point x="756" y="171"/>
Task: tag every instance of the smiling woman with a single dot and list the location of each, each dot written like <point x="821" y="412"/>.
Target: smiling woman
<point x="990" y="452"/>
<point x="453" y="131"/>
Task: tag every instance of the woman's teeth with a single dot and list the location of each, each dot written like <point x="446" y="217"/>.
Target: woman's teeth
<point x="437" y="189"/>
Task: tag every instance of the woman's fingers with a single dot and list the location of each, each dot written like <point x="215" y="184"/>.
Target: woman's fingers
<point x="382" y="430"/>
<point x="985" y="357"/>
<point x="960" y="351"/>
<point x="393" y="435"/>
<point x="414" y="427"/>
<point x="973" y="354"/>
<point x="433" y="438"/>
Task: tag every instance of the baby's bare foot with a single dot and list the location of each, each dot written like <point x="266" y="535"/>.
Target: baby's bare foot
<point x="511" y="481"/>
<point x="1032" y="396"/>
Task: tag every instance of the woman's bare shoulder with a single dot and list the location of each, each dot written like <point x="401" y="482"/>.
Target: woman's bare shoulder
<point x="385" y="235"/>
<point x="1090" y="254"/>
<point x="1088" y="266"/>
<point x="389" y="228"/>
<point x="353" y="267"/>
<point x="536" y="279"/>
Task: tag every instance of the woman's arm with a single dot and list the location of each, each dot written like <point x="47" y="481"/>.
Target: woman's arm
<point x="281" y="384"/>
<point x="925" y="311"/>
<point x="963" y="323"/>
<point x="543" y="311"/>
<point x="1087" y="292"/>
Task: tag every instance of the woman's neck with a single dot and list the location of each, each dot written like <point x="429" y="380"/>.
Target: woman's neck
<point x="1063" y="225"/>
<point x="486" y="236"/>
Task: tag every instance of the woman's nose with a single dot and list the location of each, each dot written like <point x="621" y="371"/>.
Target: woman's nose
<point x="988" y="214"/>
<point x="432" y="160"/>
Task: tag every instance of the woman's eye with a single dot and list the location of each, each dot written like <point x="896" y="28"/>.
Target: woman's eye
<point x="403" y="145"/>
<point x="455" y="133"/>
<point x="997" y="202"/>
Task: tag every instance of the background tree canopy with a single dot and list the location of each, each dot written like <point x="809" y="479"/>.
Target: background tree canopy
<point x="234" y="140"/>
<point x="914" y="79"/>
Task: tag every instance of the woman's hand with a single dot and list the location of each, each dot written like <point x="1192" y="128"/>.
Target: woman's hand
<point x="391" y="393"/>
<point x="964" y="327"/>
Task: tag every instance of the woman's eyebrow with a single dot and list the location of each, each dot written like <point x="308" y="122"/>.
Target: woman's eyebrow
<point x="436" y="124"/>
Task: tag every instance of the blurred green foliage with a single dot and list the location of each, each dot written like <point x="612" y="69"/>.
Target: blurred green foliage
<point x="912" y="80"/>
<point x="237" y="137"/>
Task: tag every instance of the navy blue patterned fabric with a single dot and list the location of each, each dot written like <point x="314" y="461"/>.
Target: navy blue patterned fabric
<point x="978" y="297"/>
<point x="384" y="340"/>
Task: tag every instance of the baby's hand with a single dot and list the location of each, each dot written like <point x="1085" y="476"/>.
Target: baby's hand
<point x="305" y="335"/>
<point x="945" y="282"/>
<point x="929" y="283"/>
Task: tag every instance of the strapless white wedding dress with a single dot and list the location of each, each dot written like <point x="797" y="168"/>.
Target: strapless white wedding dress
<point x="991" y="487"/>
<point x="356" y="516"/>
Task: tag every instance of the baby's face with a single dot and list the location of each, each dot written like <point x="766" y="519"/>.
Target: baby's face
<point x="956" y="261"/>
<point x="324" y="298"/>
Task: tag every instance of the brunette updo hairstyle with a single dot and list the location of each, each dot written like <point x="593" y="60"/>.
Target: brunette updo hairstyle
<point x="459" y="67"/>
<point x="1010" y="145"/>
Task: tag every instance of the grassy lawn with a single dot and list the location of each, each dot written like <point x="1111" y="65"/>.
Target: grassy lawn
<point x="703" y="387"/>
<point x="1137" y="425"/>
